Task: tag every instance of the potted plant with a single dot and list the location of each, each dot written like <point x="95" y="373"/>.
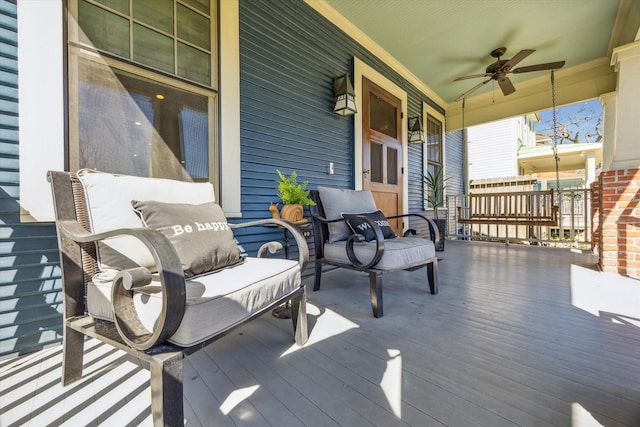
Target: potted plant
<point x="294" y="196"/>
<point x="434" y="184"/>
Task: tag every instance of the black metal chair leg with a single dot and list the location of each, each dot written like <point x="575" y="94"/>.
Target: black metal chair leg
<point x="432" y="275"/>
<point x="375" y="292"/>
<point x="316" y="282"/>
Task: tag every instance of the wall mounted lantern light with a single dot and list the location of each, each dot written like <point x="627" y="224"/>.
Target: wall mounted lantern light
<point x="345" y="96"/>
<point x="416" y="133"/>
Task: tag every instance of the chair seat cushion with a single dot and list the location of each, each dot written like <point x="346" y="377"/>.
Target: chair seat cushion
<point x="214" y="302"/>
<point x="401" y="252"/>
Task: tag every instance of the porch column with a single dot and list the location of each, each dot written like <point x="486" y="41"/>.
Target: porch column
<point x="589" y="169"/>
<point x="626" y="60"/>
<point x="619" y="182"/>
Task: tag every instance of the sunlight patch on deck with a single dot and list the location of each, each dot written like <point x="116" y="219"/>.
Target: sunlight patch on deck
<point x="392" y="381"/>
<point x="328" y="324"/>
<point x="236" y="397"/>
<point x="580" y="417"/>
<point x="606" y="294"/>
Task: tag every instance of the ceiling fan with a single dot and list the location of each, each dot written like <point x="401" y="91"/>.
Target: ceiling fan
<point x="498" y="71"/>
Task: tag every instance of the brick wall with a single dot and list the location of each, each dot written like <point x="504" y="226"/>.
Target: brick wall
<point x="595" y="217"/>
<point x="619" y="222"/>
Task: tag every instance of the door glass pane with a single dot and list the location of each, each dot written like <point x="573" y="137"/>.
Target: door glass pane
<point x="121" y="6"/>
<point x="152" y="48"/>
<point x="194" y="64"/>
<point x="132" y="125"/>
<point x="201" y="5"/>
<point x="155" y="13"/>
<point x="103" y="30"/>
<point x="194" y="28"/>
<point x="382" y="116"/>
<point x="376" y="162"/>
<point x="392" y="166"/>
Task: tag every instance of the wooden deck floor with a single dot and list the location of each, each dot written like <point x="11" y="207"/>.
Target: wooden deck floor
<point x="517" y="336"/>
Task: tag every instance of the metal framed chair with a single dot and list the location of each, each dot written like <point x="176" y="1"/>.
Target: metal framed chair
<point x="162" y="335"/>
<point x="376" y="257"/>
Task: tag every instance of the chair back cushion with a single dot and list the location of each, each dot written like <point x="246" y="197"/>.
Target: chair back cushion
<point x="336" y="201"/>
<point x="109" y="207"/>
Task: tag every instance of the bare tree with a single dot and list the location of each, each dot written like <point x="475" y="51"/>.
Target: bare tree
<point x="584" y="124"/>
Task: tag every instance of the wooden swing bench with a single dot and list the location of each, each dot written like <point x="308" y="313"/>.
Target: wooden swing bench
<point x="527" y="208"/>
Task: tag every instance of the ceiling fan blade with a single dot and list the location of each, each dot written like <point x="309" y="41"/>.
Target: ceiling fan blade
<point x="473" y="76"/>
<point x="518" y="57"/>
<point x="506" y="86"/>
<point x="539" y="67"/>
<point x="473" y="89"/>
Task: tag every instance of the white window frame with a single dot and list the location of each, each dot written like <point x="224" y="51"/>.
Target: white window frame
<point x="428" y="110"/>
<point x="42" y="105"/>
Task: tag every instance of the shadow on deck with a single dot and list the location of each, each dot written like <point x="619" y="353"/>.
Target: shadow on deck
<point x="518" y="335"/>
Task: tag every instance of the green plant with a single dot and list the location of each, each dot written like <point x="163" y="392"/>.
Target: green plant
<point x="290" y="191"/>
<point x="434" y="184"/>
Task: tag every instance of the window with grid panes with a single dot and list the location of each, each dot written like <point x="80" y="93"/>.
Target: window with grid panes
<point x="143" y="87"/>
<point x="434" y="147"/>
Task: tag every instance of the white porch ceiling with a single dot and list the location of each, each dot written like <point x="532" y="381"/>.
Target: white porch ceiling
<point x="436" y="41"/>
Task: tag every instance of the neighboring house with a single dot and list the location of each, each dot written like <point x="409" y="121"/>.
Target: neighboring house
<point x="139" y="97"/>
<point x="493" y="147"/>
<point x="505" y="149"/>
<point x="578" y="164"/>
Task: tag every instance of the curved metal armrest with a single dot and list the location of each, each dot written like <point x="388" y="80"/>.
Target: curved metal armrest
<point x="360" y="238"/>
<point x="171" y="279"/>
<point x="303" y="249"/>
<point x="433" y="228"/>
<point x="325" y="220"/>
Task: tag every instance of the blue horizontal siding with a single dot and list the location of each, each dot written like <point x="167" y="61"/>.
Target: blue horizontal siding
<point x="289" y="56"/>
<point x="30" y="282"/>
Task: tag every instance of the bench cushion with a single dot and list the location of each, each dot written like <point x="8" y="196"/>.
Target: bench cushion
<point x="400" y="252"/>
<point x="109" y="207"/>
<point x="214" y="302"/>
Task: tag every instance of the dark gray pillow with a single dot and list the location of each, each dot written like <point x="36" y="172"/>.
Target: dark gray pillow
<point x="360" y="226"/>
<point x="337" y="201"/>
<point x="200" y="234"/>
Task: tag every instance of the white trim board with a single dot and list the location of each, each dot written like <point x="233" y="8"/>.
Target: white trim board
<point x="361" y="69"/>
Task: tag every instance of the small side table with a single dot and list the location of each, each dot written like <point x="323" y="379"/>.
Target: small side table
<point x="284" y="311"/>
